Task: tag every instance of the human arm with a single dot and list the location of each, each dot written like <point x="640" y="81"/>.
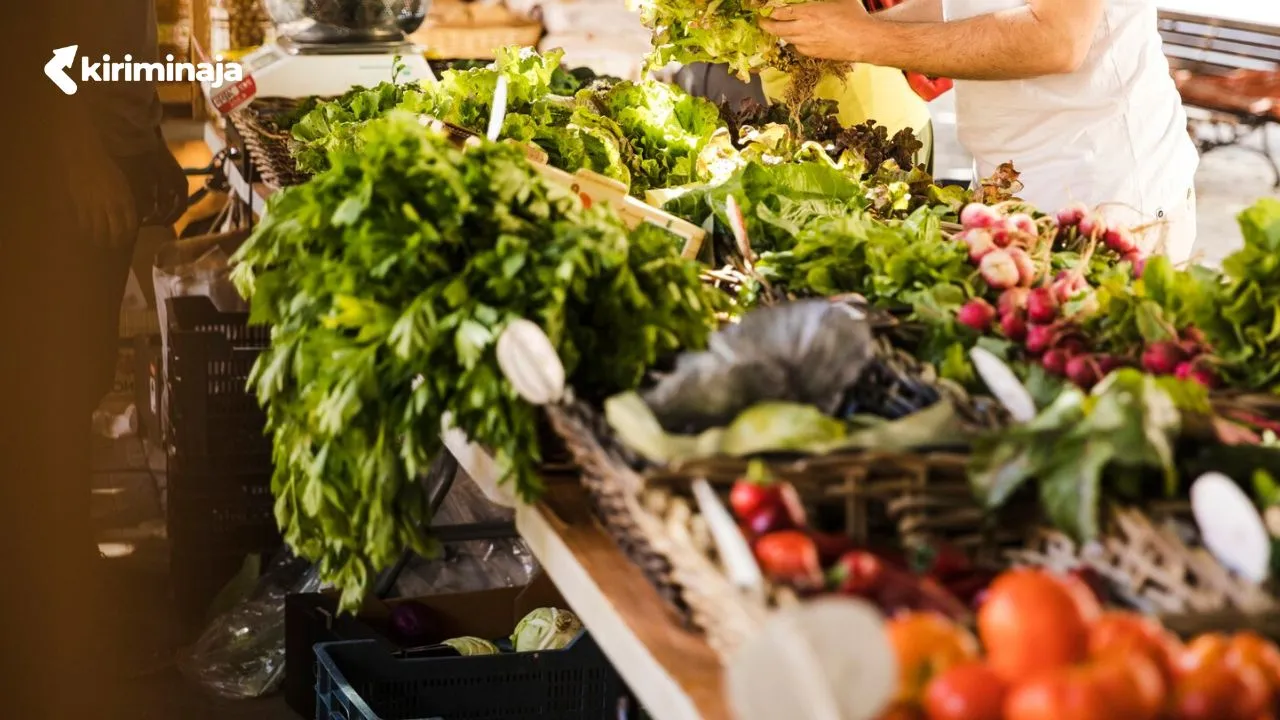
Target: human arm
<point x="1044" y="37"/>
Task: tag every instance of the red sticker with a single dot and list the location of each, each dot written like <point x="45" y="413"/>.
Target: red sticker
<point x="231" y="97"/>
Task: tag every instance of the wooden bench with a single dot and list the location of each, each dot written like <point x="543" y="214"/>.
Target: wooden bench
<point x="1230" y="71"/>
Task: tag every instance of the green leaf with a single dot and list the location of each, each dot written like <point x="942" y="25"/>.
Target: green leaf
<point x="1266" y="488"/>
<point x="1070" y="490"/>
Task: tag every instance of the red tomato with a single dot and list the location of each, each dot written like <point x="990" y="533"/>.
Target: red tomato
<point x="1031" y="622"/>
<point x="1247" y="648"/>
<point x="1120" y="635"/>
<point x="1132" y="685"/>
<point x="1062" y="694"/>
<point x="927" y="644"/>
<point x="1218" y="692"/>
<point x="790" y="557"/>
<point x="966" y="692"/>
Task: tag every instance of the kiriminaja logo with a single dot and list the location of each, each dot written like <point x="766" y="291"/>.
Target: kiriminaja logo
<point x="127" y="70"/>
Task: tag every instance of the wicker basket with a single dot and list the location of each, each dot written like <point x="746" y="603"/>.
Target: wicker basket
<point x="650" y="514"/>
<point x="267" y="146"/>
<point x="1147" y="560"/>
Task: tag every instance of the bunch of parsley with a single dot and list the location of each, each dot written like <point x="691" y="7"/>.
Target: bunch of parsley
<point x="387" y="278"/>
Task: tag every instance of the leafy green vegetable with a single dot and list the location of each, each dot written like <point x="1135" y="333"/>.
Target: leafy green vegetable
<point x="728" y="32"/>
<point x="1082" y="447"/>
<point x="645" y="135"/>
<point x="387" y="278"/>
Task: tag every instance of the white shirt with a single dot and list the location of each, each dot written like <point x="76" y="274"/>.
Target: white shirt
<point x="1114" y="131"/>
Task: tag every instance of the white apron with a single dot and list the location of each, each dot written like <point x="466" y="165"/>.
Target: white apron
<point x="1114" y="132"/>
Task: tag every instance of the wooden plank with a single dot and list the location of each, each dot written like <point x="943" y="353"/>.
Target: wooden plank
<point x="673" y="671"/>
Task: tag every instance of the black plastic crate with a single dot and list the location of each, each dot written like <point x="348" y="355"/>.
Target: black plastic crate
<point x="364" y="680"/>
<point x="311" y="619"/>
<point x="212" y="414"/>
<point x="219" y="503"/>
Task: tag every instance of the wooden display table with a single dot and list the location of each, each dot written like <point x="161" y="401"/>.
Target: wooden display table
<point x="672" y="671"/>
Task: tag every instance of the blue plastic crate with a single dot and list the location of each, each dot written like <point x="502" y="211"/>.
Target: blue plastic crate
<point x="363" y="680"/>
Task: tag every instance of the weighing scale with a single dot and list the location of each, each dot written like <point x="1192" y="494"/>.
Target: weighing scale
<point x="326" y="47"/>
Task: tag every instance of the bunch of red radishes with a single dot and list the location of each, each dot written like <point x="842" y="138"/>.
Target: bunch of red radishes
<point x="1186" y="358"/>
<point x="1037" y="318"/>
<point x="1001" y="245"/>
<point x="1032" y="310"/>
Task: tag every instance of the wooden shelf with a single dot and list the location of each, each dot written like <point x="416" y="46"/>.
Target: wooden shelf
<point x="672" y="671"/>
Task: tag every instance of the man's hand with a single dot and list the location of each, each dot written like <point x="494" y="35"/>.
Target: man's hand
<point x="104" y="204"/>
<point x="825" y="30"/>
<point x="171" y="188"/>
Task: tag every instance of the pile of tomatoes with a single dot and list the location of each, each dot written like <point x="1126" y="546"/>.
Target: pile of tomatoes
<point x="792" y="553"/>
<point x="1046" y="650"/>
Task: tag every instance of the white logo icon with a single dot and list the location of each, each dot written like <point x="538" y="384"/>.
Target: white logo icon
<point x="56" y="68"/>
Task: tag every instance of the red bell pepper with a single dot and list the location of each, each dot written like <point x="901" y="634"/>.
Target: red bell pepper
<point x="929" y="89"/>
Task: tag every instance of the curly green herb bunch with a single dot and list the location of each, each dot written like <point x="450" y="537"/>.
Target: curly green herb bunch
<point x="387" y="278"/>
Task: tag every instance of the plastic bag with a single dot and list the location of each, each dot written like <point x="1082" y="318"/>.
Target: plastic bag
<point x="241" y="653"/>
<point x="809" y="351"/>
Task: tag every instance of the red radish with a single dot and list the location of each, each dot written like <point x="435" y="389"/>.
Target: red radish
<point x="1072" y="346"/>
<point x="1042" y="307"/>
<point x="1026" y="266"/>
<point x="1014" y="326"/>
<point x="1109" y="363"/>
<point x="1083" y="371"/>
<point x="1162" y="358"/>
<point x="977" y="314"/>
<point x="1023" y="223"/>
<point x="1191" y="371"/>
<point x="1090" y="225"/>
<point x="1040" y="338"/>
<point x="979" y="243"/>
<point x="1120" y="240"/>
<point x="1072" y="214"/>
<point x="999" y="270"/>
<point x="1002" y="233"/>
<point x="1012" y="300"/>
<point x="1137" y="260"/>
<point x="1055" y="361"/>
<point x="1067" y="286"/>
<point x="977" y="215"/>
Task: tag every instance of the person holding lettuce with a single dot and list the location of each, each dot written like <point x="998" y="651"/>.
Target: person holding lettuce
<point x="890" y="97"/>
<point x="1077" y="94"/>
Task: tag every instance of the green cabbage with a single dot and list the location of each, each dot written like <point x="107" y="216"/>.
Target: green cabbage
<point x="546" y="629"/>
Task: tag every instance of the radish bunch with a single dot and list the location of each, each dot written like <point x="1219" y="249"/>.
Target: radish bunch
<point x="1078" y="224"/>
<point x="1001" y="245"/>
<point x="1186" y="358"/>
<point x="1038" y="319"/>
